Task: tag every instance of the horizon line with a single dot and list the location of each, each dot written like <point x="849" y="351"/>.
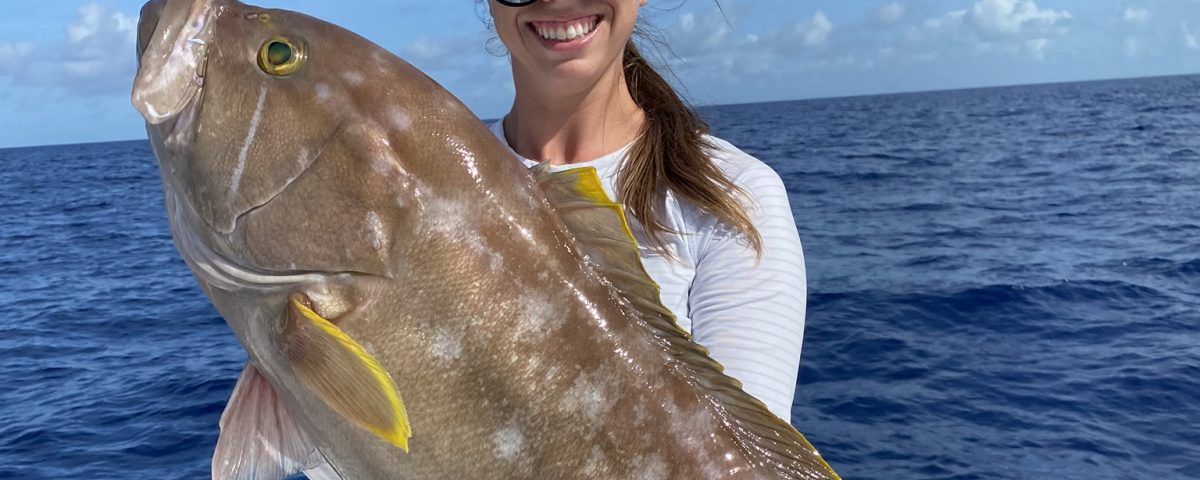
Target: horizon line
<point x="763" y="102"/>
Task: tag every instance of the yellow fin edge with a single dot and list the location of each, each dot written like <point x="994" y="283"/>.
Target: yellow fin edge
<point x="588" y="185"/>
<point x="585" y="182"/>
<point x="396" y="434"/>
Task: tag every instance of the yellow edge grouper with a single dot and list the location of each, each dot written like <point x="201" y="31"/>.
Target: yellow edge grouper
<point x="414" y="303"/>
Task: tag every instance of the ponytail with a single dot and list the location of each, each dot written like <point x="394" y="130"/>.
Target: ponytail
<point x="672" y="154"/>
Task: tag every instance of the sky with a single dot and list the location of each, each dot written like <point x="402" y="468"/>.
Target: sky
<point x="66" y="66"/>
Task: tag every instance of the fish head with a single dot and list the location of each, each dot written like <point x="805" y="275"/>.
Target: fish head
<point x="308" y="170"/>
<point x="292" y="151"/>
<point x="300" y="146"/>
<point x="227" y="92"/>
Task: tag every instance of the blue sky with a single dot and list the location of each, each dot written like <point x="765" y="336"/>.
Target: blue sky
<point x="66" y="65"/>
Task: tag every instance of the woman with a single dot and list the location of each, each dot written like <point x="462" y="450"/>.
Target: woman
<point x="714" y="223"/>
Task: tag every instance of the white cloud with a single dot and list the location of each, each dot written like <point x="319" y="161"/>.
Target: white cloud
<point x="12" y="56"/>
<point x="96" y="57"/>
<point x="1132" y="47"/>
<point x="815" y="32"/>
<point x="94" y="21"/>
<point x="1190" y="38"/>
<point x="890" y="13"/>
<point x="698" y="34"/>
<point x="446" y="53"/>
<point x="100" y="47"/>
<point x="1037" y="47"/>
<point x="950" y="20"/>
<point x="708" y="39"/>
<point x="1015" y="27"/>
<point x="1136" y="16"/>
<point x="1014" y="16"/>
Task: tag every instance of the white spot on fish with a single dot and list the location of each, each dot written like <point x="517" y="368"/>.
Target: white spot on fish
<point x="385" y="163"/>
<point x="353" y="78"/>
<point x="322" y="91"/>
<point x="695" y="426"/>
<point x="477" y="246"/>
<point x="597" y="464"/>
<point x="509" y="442"/>
<point x="669" y="406"/>
<point x="446" y="345"/>
<point x="400" y="119"/>
<point x="236" y="181"/>
<point x="538" y="316"/>
<point x="651" y="468"/>
<point x="376" y="230"/>
<point x="302" y="160"/>
<point x="533" y="363"/>
<point x="592" y="396"/>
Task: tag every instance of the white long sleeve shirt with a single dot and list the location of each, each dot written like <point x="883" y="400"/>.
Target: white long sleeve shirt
<point x="748" y="314"/>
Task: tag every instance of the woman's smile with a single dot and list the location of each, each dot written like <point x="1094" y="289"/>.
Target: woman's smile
<point x="571" y="33"/>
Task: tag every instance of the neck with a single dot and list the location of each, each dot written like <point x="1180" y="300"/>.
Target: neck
<point x="563" y="125"/>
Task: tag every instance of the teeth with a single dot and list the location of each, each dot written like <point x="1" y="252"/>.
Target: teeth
<point x="562" y="31"/>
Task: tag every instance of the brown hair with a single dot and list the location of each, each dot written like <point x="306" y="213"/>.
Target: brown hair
<point x="672" y="154"/>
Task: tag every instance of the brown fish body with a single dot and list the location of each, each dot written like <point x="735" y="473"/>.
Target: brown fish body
<point x="359" y="184"/>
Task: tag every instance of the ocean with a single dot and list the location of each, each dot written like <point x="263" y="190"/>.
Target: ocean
<point x="1004" y="284"/>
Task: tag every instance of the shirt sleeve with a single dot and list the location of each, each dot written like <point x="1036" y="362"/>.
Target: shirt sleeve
<point x="750" y="314"/>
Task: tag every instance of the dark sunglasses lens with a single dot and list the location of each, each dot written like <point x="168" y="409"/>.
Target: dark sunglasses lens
<point x="515" y="3"/>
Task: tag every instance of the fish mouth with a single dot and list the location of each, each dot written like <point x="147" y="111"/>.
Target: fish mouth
<point x="177" y="131"/>
<point x="173" y="39"/>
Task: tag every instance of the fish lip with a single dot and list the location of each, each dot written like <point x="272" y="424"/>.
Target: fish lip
<point x="171" y="67"/>
<point x="175" y="127"/>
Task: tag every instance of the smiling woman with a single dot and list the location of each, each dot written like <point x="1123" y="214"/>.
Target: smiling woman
<point x="717" y="231"/>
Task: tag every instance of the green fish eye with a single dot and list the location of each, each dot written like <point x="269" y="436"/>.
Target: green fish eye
<point x="278" y="53"/>
<point x="280" y="57"/>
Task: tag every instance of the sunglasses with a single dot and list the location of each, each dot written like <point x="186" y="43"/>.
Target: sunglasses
<point x="516" y="3"/>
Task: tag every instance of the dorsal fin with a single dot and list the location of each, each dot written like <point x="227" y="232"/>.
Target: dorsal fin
<point x="602" y="234"/>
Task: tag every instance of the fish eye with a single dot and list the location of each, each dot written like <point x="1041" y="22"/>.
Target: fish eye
<point x="280" y="57"/>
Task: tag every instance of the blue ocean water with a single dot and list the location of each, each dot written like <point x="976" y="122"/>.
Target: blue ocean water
<point x="1004" y="285"/>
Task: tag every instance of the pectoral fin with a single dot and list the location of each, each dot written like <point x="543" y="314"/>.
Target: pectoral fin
<point x="344" y="375"/>
<point x="259" y="440"/>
